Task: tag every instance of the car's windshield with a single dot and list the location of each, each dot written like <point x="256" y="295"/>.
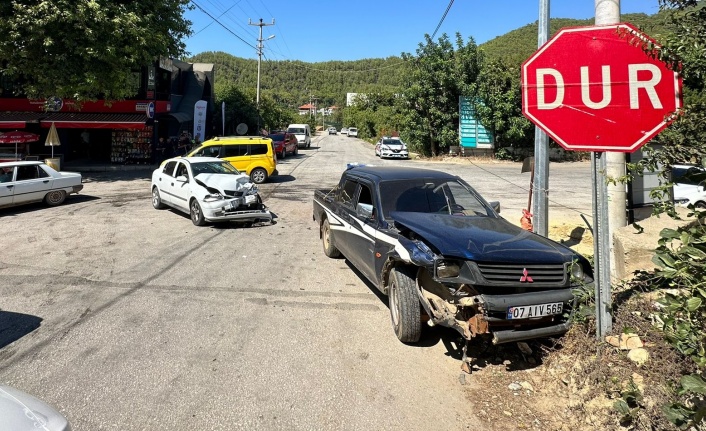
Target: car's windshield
<point x="296" y="130"/>
<point x="432" y="195"/>
<point x="392" y="142"/>
<point x="213" y="168"/>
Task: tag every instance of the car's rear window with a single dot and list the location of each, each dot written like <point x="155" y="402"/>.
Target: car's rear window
<point x="278" y="137"/>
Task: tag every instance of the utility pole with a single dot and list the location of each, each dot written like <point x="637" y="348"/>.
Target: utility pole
<point x="540" y="188"/>
<point x="259" y="60"/>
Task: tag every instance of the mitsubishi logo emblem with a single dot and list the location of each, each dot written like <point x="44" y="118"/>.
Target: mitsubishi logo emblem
<point x="525" y="277"/>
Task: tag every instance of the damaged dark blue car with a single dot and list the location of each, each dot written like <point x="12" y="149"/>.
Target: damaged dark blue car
<point x="444" y="256"/>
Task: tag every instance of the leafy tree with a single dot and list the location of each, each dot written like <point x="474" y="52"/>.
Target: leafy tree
<point x="498" y="106"/>
<point x="86" y="49"/>
<point x="432" y="84"/>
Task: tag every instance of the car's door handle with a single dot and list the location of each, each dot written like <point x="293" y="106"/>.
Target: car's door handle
<point x="45" y="181"/>
<point x="9" y="187"/>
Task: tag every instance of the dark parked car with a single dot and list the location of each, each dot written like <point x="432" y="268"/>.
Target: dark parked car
<point x="284" y="143"/>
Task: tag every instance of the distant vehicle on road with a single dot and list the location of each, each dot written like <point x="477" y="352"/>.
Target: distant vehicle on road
<point x="344" y="131"/>
<point x="303" y="134"/>
<point x="284" y="143"/>
<point x="24" y="182"/>
<point x="393" y="148"/>
<point x="352" y="131"/>
<point x="332" y="131"/>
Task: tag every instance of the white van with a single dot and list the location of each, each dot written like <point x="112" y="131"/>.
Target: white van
<point x="303" y="134"/>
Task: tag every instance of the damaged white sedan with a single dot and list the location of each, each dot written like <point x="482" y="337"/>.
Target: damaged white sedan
<point x="209" y="190"/>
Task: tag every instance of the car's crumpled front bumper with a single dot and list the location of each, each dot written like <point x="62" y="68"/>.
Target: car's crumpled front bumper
<point x="245" y="208"/>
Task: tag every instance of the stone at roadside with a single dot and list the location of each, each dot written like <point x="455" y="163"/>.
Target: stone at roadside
<point x="527" y="385"/>
<point x="625" y="341"/>
<point x="514" y="386"/>
<point x="639" y="356"/>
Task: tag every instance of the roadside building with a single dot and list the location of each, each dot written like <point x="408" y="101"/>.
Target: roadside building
<point x="125" y="131"/>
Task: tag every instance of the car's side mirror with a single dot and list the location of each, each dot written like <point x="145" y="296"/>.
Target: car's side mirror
<point x="496" y="206"/>
<point x="182" y="179"/>
<point x="364" y="211"/>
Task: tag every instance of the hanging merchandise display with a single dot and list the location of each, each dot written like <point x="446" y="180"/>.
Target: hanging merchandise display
<point x="132" y="146"/>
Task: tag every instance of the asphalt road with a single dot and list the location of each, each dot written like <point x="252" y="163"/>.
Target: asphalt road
<point x="129" y="318"/>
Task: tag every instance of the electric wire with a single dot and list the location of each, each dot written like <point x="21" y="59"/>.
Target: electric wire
<point x="209" y="24"/>
<point x="527" y="190"/>
<point x="448" y="8"/>
<point x="221" y="24"/>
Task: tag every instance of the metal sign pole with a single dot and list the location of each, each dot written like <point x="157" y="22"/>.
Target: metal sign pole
<point x="541" y="145"/>
<point x="601" y="245"/>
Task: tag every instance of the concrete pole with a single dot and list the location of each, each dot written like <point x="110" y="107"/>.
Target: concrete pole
<point x="540" y="188"/>
<point x="608" y="12"/>
<point x="609" y="204"/>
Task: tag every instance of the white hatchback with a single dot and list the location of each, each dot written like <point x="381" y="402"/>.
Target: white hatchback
<point x="208" y="189"/>
<point x="27" y="182"/>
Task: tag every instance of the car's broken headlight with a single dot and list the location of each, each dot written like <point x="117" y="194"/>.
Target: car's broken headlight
<point x="576" y="271"/>
<point x="213" y="197"/>
<point x="448" y="268"/>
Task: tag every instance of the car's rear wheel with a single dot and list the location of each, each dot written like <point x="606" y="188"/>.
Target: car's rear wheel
<point x="296" y="150"/>
<point x="330" y="250"/>
<point x="55" y="198"/>
<point x="258" y="175"/>
<point x="404" y="304"/>
<point x="700" y="205"/>
<point x="196" y="213"/>
<point x="156" y="199"/>
<point x="284" y="153"/>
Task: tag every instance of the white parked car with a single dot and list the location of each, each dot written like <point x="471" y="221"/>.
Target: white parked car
<point x="208" y="189"/>
<point x="27" y="182"/>
<point x="689" y="182"/>
<point x="21" y="411"/>
<point x="352" y="131"/>
<point x="344" y="131"/>
<point x="394" y="148"/>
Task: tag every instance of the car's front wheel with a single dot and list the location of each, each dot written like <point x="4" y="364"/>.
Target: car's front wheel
<point x="258" y="175"/>
<point x="404" y="304"/>
<point x="196" y="213"/>
<point x="156" y="199"/>
<point x="283" y="154"/>
<point x="55" y="198"/>
<point x="330" y="250"/>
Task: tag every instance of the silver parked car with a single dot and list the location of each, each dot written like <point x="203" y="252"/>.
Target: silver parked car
<point x="27" y="182"/>
<point x="208" y="189"/>
<point x="20" y="411"/>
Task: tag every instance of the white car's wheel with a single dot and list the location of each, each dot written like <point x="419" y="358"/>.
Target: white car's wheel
<point x="55" y="198"/>
<point x="156" y="199"/>
<point x="196" y="213"/>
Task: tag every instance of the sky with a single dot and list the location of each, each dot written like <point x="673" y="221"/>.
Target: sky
<point x="315" y="30"/>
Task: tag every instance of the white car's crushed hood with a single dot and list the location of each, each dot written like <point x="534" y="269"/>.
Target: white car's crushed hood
<point x="227" y="184"/>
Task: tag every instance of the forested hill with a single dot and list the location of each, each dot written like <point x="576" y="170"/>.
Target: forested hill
<point x="517" y="45"/>
<point x="293" y="82"/>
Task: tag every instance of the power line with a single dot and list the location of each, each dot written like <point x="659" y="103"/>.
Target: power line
<point x="448" y="8"/>
<point x="219" y="23"/>
<point x="209" y="24"/>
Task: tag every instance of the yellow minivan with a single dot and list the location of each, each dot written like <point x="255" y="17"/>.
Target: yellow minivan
<point x="254" y="155"/>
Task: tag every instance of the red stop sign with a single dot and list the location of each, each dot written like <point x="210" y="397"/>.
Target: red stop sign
<point x="596" y="89"/>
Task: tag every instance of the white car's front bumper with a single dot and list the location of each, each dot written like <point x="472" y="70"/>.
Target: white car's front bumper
<point x="393" y="155"/>
<point x="246" y="208"/>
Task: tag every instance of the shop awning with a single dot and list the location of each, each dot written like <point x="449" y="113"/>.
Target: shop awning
<point x="80" y="120"/>
<point x="18" y="120"/>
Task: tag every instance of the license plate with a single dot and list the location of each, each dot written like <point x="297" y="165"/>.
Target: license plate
<point x="250" y="199"/>
<point x="530" y="311"/>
